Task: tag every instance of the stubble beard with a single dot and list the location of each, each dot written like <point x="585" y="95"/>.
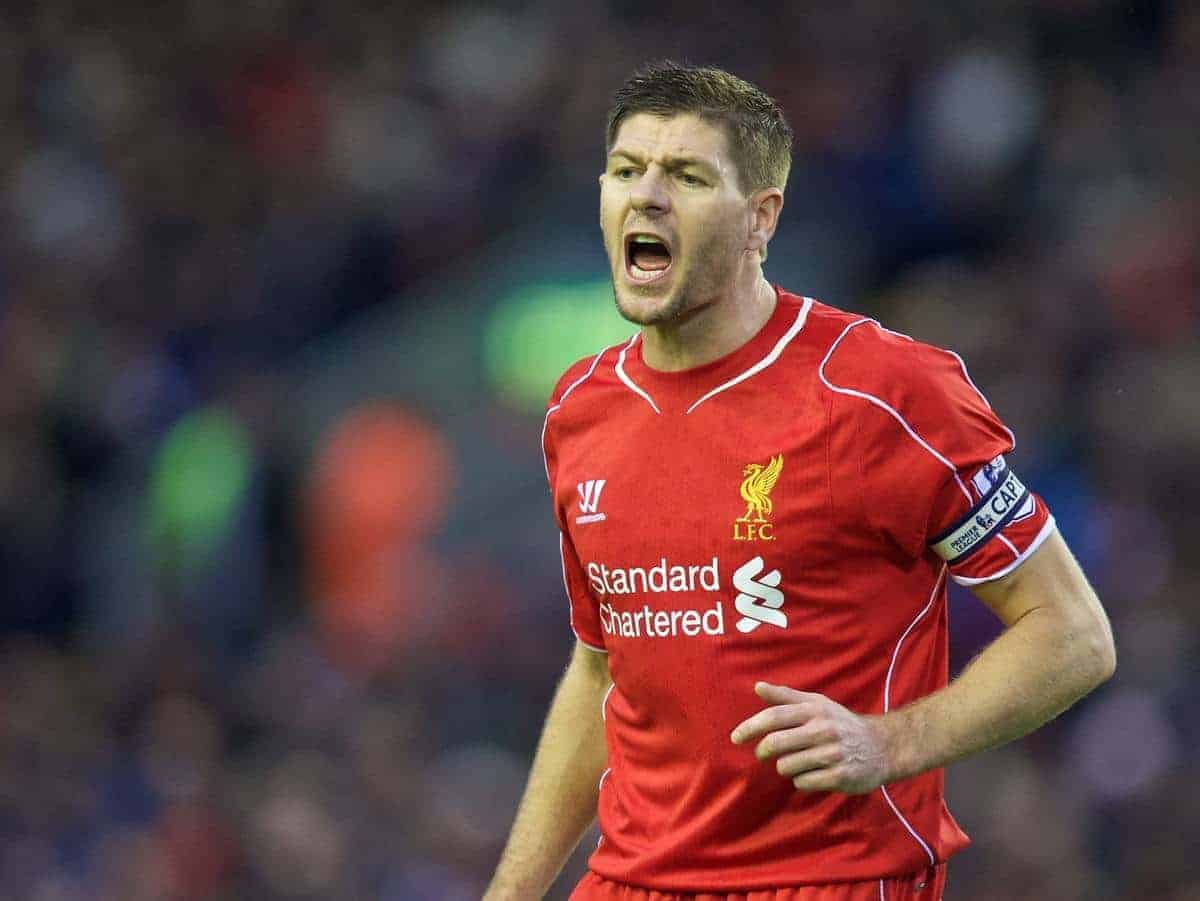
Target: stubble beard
<point x="672" y="306"/>
<point x="692" y="289"/>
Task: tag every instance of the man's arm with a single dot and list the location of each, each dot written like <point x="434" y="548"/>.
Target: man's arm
<point x="1056" y="647"/>
<point x="560" y="799"/>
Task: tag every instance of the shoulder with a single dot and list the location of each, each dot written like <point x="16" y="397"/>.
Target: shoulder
<point x="575" y="403"/>
<point x="865" y="358"/>
<point x="583" y="373"/>
<point x="888" y="380"/>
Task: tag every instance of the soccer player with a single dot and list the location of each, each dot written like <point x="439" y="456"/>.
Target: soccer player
<point x="761" y="500"/>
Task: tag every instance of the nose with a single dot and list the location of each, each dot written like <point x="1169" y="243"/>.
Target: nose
<point x="649" y="195"/>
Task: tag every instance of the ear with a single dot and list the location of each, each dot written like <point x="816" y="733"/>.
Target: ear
<point x="765" y="205"/>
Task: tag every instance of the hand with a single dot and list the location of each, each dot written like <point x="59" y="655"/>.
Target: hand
<point x="818" y="743"/>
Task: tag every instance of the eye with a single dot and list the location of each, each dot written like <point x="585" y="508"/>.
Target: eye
<point x="690" y="180"/>
<point x="624" y="173"/>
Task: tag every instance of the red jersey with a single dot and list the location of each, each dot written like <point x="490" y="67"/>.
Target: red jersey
<point x="789" y="513"/>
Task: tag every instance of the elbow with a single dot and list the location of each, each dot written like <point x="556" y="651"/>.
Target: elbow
<point x="1109" y="659"/>
<point x="1102" y="654"/>
<point x="1094" y="653"/>
<point x="1089" y="652"/>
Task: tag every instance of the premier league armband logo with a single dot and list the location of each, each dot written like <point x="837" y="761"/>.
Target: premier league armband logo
<point x="1002" y="501"/>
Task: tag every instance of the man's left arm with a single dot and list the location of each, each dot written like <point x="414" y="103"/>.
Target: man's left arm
<point x="1056" y="647"/>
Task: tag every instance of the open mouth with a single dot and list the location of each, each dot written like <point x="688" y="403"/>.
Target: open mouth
<point x="647" y="258"/>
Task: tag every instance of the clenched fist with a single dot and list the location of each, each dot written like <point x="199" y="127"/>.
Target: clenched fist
<point x="816" y="742"/>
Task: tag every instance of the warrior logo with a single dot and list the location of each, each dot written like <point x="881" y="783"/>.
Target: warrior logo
<point x="756" y="492"/>
<point x="589" y="501"/>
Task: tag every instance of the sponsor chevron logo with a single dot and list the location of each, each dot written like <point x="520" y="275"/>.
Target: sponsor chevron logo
<point x="759" y="599"/>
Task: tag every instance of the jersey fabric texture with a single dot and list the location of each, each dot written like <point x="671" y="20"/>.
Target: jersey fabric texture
<point x="927" y="886"/>
<point x="772" y="515"/>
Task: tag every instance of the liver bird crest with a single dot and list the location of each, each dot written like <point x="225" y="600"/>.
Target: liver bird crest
<point x="756" y="489"/>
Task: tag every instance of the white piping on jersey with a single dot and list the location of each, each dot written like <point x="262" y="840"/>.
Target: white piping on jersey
<point x="881" y="896"/>
<point x="583" y="378"/>
<point x="766" y="361"/>
<point x="1021" y="558"/>
<point x="887" y="683"/>
<point x="970" y="381"/>
<point x="546" y="462"/>
<point x="628" y="381"/>
<point x="966" y="375"/>
<point x="887" y="703"/>
<point x="599" y="786"/>
<point x="871" y="398"/>
<point x="604" y="701"/>
<point x="579" y="381"/>
<point x="1012" y="547"/>
<point x="571" y="607"/>
<point x="585" y="644"/>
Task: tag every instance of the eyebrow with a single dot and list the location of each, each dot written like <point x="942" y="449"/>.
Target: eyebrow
<point x="669" y="162"/>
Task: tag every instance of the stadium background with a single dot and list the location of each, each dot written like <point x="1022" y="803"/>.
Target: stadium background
<point x="284" y="285"/>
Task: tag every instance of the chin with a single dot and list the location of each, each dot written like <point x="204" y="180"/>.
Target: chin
<point x="643" y="310"/>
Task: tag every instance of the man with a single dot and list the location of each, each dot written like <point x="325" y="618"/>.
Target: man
<point x="761" y="500"/>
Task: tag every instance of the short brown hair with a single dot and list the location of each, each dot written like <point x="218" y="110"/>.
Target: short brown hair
<point x="760" y="138"/>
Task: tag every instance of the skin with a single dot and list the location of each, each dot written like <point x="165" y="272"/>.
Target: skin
<point x="1057" y="644"/>
<point x="560" y="800"/>
<point x="674" y="177"/>
<point x="1056" y="647"/>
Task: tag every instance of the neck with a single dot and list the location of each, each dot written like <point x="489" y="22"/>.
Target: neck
<point x="710" y="330"/>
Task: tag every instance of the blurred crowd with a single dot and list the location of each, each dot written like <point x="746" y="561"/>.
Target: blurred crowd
<point x="243" y="662"/>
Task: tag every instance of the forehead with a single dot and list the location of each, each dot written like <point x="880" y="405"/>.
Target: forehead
<point x="685" y="134"/>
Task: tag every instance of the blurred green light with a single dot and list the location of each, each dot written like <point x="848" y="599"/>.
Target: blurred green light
<point x="539" y="330"/>
<point x="197" y="484"/>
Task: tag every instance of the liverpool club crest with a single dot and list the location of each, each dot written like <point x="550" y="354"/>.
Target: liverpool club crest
<point x="757" y="483"/>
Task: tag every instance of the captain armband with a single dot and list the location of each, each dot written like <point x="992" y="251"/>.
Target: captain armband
<point x="1002" y="499"/>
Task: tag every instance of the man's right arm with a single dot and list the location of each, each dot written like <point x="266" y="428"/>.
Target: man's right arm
<point x="560" y="799"/>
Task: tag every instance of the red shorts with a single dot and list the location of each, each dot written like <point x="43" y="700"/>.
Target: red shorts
<point x="926" y="885"/>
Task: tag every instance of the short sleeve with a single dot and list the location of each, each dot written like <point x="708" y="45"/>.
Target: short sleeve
<point x="584" y="610"/>
<point x="932" y="456"/>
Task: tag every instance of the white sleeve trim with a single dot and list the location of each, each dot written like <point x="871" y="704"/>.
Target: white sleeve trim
<point x="562" y="556"/>
<point x="1021" y="558"/>
<point x="1012" y="547"/>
